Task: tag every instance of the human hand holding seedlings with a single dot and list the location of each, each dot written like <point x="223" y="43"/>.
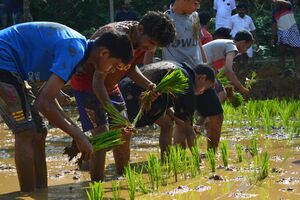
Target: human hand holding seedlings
<point x="153" y="93"/>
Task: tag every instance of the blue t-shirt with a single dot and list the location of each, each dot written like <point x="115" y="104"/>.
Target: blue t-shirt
<point x="35" y="50"/>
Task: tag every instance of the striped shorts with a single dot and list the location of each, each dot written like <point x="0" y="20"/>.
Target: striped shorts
<point x="289" y="37"/>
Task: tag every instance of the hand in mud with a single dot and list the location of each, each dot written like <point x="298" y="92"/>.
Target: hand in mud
<point x="154" y="94"/>
<point x="84" y="146"/>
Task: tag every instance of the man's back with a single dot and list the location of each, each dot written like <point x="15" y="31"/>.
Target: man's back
<point x="31" y="47"/>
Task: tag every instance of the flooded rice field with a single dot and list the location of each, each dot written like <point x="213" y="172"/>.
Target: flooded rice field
<point x="256" y="127"/>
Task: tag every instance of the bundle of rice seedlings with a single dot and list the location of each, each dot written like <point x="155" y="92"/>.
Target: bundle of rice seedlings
<point x="107" y="139"/>
<point x="172" y="83"/>
<point x="117" y="120"/>
<point x="236" y="100"/>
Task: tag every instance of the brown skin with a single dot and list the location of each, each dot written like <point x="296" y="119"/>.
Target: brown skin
<point x="184" y="132"/>
<point x="122" y="152"/>
<point x="30" y="146"/>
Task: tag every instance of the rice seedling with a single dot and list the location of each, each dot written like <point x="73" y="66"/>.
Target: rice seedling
<point x="174" y="158"/>
<point x="196" y="154"/>
<point x="106" y="139"/>
<point x="266" y="118"/>
<point x="254" y="148"/>
<point x="250" y="81"/>
<point x="116" y="189"/>
<point x="212" y="159"/>
<point x="132" y="181"/>
<point x="224" y="152"/>
<point x="142" y="186"/>
<point x="184" y="162"/>
<point x="117" y="120"/>
<point x="154" y="169"/>
<point x="193" y="167"/>
<point x="239" y="152"/>
<point x="172" y="83"/>
<point x="95" y="191"/>
<point x="264" y="166"/>
<point x="222" y="78"/>
<point x="285" y="115"/>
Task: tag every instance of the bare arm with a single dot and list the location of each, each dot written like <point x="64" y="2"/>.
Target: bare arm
<point x="99" y="87"/>
<point x="46" y="105"/>
<point x="229" y="73"/>
<point x="136" y="75"/>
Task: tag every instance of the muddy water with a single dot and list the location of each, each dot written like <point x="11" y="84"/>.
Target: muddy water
<point x="65" y="182"/>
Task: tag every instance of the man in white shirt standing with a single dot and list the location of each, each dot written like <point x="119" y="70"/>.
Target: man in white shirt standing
<point x="223" y="9"/>
<point x="242" y="22"/>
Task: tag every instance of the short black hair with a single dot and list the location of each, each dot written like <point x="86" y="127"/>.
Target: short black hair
<point x="242" y="5"/>
<point x="117" y="43"/>
<point x="204" y="69"/>
<point x="158" y="27"/>
<point x="222" y="32"/>
<point x="204" y="17"/>
<point x="244" y="35"/>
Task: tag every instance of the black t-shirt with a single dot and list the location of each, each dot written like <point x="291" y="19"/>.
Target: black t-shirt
<point x="183" y="104"/>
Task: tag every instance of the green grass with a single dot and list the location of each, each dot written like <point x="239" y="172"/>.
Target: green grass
<point x="155" y="171"/>
<point x="239" y="152"/>
<point x="116" y="189"/>
<point x="95" y="191"/>
<point x="264" y="166"/>
<point x="254" y="147"/>
<point x="141" y="183"/>
<point x="196" y="156"/>
<point x="250" y="81"/>
<point x="211" y="156"/>
<point x="174" y="158"/>
<point x="106" y="140"/>
<point x="117" y="119"/>
<point x="225" y="152"/>
<point x="132" y="181"/>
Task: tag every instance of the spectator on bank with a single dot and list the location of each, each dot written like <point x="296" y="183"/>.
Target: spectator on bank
<point x="288" y="35"/>
<point x="243" y="22"/>
<point x="125" y="14"/>
<point x="205" y="22"/>
<point x="14" y="11"/>
<point x="223" y="9"/>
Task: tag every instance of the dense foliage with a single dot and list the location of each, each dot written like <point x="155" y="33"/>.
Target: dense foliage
<point x="87" y="15"/>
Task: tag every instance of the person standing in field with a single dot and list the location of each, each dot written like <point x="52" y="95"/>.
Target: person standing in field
<point x="288" y="35"/>
<point x="205" y="22"/>
<point x="154" y="30"/>
<point x="50" y="52"/>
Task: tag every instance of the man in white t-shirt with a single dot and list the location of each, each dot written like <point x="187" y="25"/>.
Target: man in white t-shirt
<point x="240" y="22"/>
<point x="223" y="9"/>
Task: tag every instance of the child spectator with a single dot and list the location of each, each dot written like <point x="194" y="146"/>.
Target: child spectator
<point x="223" y="9"/>
<point x="288" y="35"/>
<point x="205" y="22"/>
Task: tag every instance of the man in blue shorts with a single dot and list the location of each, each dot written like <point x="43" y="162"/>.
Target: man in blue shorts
<point x="51" y="52"/>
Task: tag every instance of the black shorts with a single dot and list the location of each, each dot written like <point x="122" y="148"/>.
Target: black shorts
<point x="131" y="93"/>
<point x="208" y="104"/>
<point x="17" y="105"/>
